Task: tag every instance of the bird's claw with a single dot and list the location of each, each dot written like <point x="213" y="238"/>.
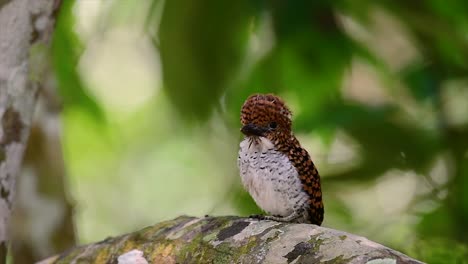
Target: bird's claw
<point x="257" y="216"/>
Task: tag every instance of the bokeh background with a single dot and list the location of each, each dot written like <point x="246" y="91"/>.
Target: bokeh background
<point x="147" y="116"/>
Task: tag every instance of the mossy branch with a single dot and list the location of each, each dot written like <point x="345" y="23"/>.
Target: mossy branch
<point x="231" y="239"/>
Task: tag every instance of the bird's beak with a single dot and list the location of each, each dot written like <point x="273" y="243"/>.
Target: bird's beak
<point x="253" y="130"/>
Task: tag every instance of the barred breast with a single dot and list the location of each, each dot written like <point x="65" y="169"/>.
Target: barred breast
<point x="270" y="177"/>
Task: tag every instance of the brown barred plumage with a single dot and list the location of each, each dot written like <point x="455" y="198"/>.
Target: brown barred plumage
<point x="267" y="117"/>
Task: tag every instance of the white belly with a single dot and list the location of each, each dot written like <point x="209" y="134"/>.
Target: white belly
<point x="270" y="177"/>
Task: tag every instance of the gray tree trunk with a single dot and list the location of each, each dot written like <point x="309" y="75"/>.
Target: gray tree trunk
<point x="233" y="240"/>
<point x="25" y="27"/>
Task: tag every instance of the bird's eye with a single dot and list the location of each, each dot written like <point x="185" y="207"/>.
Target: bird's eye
<point x="273" y="125"/>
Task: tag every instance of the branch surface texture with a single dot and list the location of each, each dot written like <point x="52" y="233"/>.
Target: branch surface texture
<point x="230" y="239"/>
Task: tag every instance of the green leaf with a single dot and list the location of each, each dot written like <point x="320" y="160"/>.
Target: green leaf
<point x="422" y="81"/>
<point x="202" y="44"/>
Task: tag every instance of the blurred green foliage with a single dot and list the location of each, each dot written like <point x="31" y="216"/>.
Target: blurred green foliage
<point x="202" y="44"/>
<point x="66" y="51"/>
<point x="308" y="49"/>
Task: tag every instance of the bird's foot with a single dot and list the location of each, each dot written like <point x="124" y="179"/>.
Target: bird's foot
<point x="277" y="218"/>
<point x="257" y="216"/>
<point x="280" y="218"/>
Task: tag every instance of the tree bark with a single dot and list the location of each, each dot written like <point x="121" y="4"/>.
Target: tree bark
<point x="25" y="26"/>
<point x="232" y="240"/>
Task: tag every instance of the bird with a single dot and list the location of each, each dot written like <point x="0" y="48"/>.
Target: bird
<point x="276" y="171"/>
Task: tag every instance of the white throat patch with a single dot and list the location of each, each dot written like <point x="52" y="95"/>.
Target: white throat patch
<point x="258" y="144"/>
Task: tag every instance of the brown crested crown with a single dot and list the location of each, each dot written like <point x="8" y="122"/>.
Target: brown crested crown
<point x="261" y="109"/>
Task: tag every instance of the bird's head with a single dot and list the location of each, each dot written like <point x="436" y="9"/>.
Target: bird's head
<point x="265" y="115"/>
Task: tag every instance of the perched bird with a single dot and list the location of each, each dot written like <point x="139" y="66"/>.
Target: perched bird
<point x="277" y="172"/>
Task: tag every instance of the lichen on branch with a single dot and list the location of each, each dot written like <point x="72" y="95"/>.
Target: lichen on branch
<point x="232" y="239"/>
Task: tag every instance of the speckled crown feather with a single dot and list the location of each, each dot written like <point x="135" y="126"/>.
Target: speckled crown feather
<point x="263" y="108"/>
